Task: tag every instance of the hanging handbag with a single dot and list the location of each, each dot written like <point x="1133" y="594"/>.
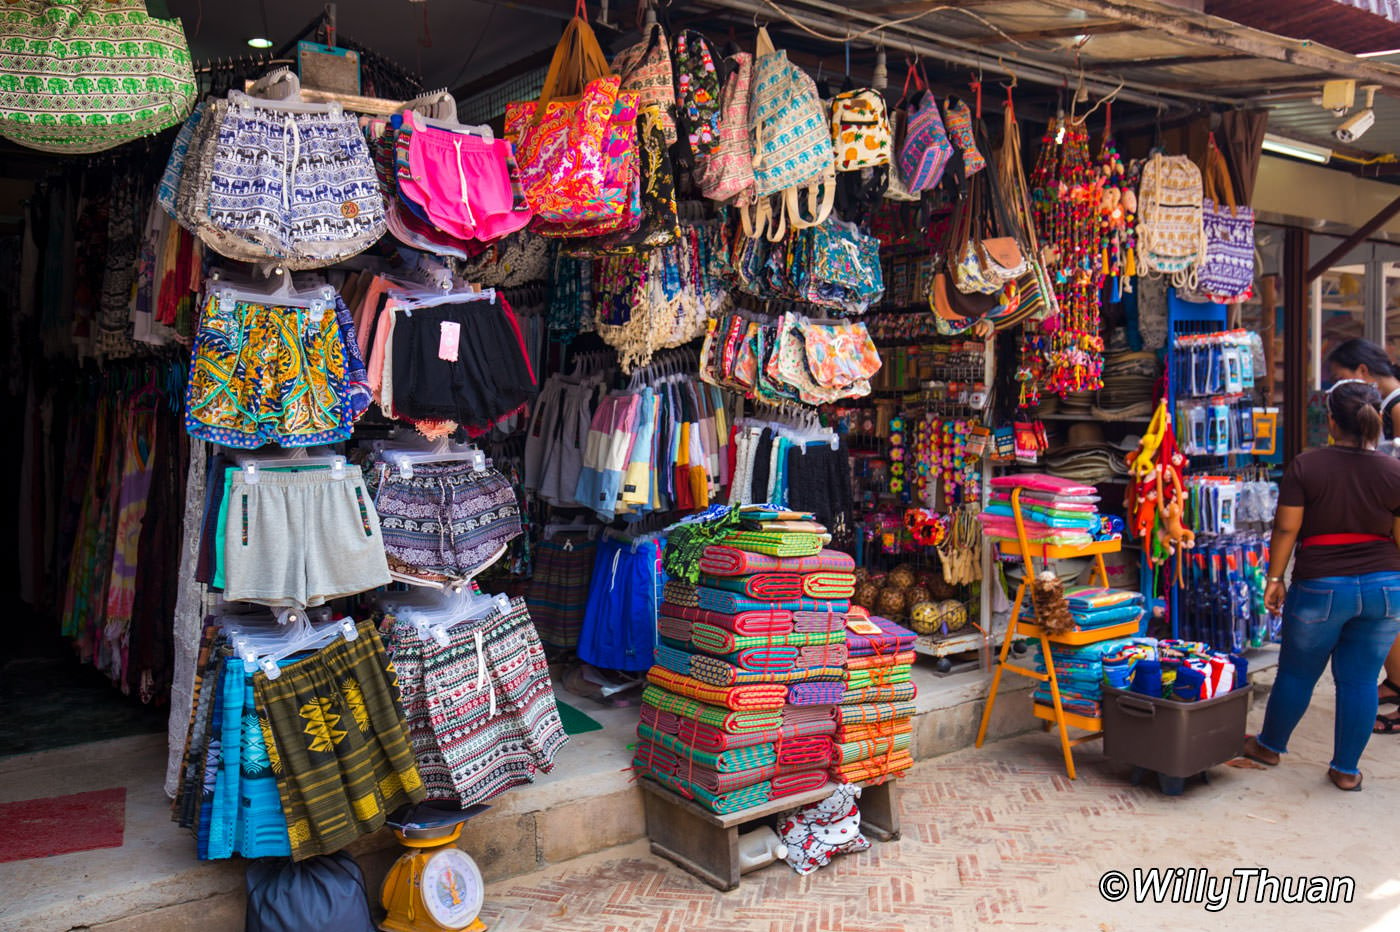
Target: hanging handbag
<point x="727" y="175"/>
<point x="576" y="145"/>
<point x="654" y="209"/>
<point x="926" y="150"/>
<point x="860" y="130"/>
<point x="81" y="76"/>
<point x="1227" y="274"/>
<point x="646" y="68"/>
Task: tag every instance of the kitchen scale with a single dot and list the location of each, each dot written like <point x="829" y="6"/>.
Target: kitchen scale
<point x="434" y="886"/>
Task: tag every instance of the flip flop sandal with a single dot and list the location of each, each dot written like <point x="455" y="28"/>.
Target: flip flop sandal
<point x="1386" y="725"/>
<point x="1390" y="700"/>
<point x="1334" y="774"/>
<point x="1251" y="741"/>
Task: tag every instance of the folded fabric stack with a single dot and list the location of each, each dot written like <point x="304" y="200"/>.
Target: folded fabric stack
<point x="1080" y="673"/>
<point x="1094" y="607"/>
<point x="875" y="720"/>
<point x="1054" y="511"/>
<point x="749" y="664"/>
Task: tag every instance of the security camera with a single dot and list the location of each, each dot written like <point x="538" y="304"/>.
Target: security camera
<point x="1354" y="127"/>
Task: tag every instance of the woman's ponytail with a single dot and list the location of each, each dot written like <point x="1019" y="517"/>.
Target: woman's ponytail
<point x="1355" y="407"/>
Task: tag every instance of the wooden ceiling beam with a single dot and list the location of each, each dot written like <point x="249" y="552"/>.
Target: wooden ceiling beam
<point x="1059" y="32"/>
<point x="1116" y="64"/>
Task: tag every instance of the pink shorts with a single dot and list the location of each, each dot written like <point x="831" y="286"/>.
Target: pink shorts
<point x="461" y="181"/>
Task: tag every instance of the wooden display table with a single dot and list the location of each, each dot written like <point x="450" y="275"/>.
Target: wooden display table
<point x="706" y="843"/>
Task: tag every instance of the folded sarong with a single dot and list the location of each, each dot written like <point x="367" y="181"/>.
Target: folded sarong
<point x="880" y="661"/>
<point x="847" y="734"/>
<point x="816" y="693"/>
<point x="767" y="511"/>
<point x="717" y="640"/>
<point x="776" y="543"/>
<point x="749" y="697"/>
<point x="720" y="672"/>
<point x="722" y="803"/>
<point x="873" y="768"/>
<point x="870" y="712"/>
<point x="803" y="622"/>
<point x="828" y="585"/>
<point x="680" y="593"/>
<point x="790" y="784"/>
<point x="731" y="603"/>
<point x="732" y="760"/>
<point x="1093" y="598"/>
<point x="894" y="692"/>
<point x="801" y="753"/>
<point x="763" y="622"/>
<point x="848" y="752"/>
<point x="771" y="587"/>
<point x="785" y="526"/>
<point x="718" y="560"/>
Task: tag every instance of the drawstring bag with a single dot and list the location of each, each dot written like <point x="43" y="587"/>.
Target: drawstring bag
<point x="792" y="154"/>
<point x="81" y="76"/>
<point x="1227" y="274"/>
<point x="321" y="892"/>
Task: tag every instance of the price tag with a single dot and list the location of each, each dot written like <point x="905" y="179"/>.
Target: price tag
<point x="450" y="341"/>
<point x="863" y="626"/>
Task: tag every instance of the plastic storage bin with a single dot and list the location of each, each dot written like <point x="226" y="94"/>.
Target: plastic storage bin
<point x="1175" y="739"/>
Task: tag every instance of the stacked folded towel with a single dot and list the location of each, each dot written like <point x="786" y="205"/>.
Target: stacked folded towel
<point x="1095" y="607"/>
<point x="1079" y="671"/>
<point x="875" y="720"/>
<point x="1053" y="511"/>
<point x="750" y="662"/>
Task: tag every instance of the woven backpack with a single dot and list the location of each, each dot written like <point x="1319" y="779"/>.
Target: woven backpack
<point x="792" y="153"/>
<point x="1171" y="227"/>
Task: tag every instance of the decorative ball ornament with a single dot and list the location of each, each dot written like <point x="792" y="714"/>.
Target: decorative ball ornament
<point x="901" y="578"/>
<point x="891" y="602"/>
<point x="952" y="614"/>
<point x="917" y="593"/>
<point x="867" y="594"/>
<point x="923" y="618"/>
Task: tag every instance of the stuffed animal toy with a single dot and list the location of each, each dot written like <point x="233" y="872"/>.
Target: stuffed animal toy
<point x="817" y="833"/>
<point x="1051" y="610"/>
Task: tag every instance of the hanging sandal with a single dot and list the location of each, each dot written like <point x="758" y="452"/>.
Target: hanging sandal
<point x="1336" y="776"/>
<point x="1387" y="725"/>
<point x="1390" y="700"/>
<point x="1258" y="753"/>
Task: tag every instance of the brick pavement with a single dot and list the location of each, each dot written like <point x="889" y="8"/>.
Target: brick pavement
<point x="1001" y="837"/>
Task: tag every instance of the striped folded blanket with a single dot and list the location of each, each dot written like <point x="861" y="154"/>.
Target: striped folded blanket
<point x="722" y="803"/>
<point x="658" y="760"/>
<point x="769" y="621"/>
<point x="894" y="692"/>
<point x="822" y="655"/>
<point x="848" y="752"/>
<point x="704" y="737"/>
<point x="827" y="585"/>
<point x="805" y="622"/>
<point x="801" y="753"/>
<point x="886" y="676"/>
<point x="816" y="693"/>
<point x="718" y="560"/>
<point x="719" y="672"/>
<point x="680" y="593"/>
<point x="873" y="768"/>
<point x="752" y="697"/>
<point x="776" y="543"/>
<point x="773" y="587"/>
<point x="732" y="760"/>
<point x="720" y="641"/>
<point x="790" y="784"/>
<point x="767" y="659"/>
<point x="847" y="734"/>
<point x="793" y="714"/>
<point x="677" y="629"/>
<point x="879" y="661"/>
<point x="870" y="712"/>
<point x="732" y="603"/>
<point x="892" y="639"/>
<point x="735" y="721"/>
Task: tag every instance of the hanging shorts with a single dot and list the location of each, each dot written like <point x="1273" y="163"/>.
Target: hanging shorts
<point x="265" y="374"/>
<point x="459" y="362"/>
<point x="447" y="518"/>
<point x="301" y="538"/>
<point x="300" y="184"/>
<point x="460" y="183"/>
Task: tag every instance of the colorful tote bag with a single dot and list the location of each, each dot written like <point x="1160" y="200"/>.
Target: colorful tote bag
<point x="791" y="140"/>
<point x="727" y="175"/>
<point x="86" y="75"/>
<point x="646" y="69"/>
<point x="926" y="150"/>
<point x="621" y="179"/>
<point x="571" y="143"/>
<point x="1227" y="274"/>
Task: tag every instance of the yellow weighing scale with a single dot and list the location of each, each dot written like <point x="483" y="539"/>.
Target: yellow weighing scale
<point x="434" y="886"/>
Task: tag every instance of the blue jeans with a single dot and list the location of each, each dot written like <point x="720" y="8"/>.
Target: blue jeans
<point x="1353" y="620"/>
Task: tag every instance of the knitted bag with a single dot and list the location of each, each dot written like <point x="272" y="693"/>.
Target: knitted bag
<point x="791" y="143"/>
<point x="926" y="149"/>
<point x="1171" y="226"/>
<point x="82" y="76"/>
<point x="727" y="175"/>
<point x="1227" y="274"/>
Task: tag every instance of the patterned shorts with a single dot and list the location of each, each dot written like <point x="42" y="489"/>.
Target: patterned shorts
<point x="299" y="184"/>
<point x="447" y="519"/>
<point x="263" y="374"/>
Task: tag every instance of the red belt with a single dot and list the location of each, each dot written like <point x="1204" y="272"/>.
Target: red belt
<point x="1341" y="540"/>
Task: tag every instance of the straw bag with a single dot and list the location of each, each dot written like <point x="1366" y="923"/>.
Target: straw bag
<point x="1227" y="274"/>
<point x="82" y="75"/>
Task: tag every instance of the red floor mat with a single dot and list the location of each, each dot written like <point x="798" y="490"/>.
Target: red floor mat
<point x="41" y="828"/>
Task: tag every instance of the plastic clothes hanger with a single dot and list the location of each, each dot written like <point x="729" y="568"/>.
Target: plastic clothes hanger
<point x="252" y="464"/>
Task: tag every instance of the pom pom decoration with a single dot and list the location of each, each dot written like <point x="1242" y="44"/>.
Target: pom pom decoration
<point x="1051" y="610"/>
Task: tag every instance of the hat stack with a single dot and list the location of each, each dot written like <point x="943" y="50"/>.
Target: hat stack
<point x="749" y="663"/>
<point x="1129" y="380"/>
<point x="875" y="720"/>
